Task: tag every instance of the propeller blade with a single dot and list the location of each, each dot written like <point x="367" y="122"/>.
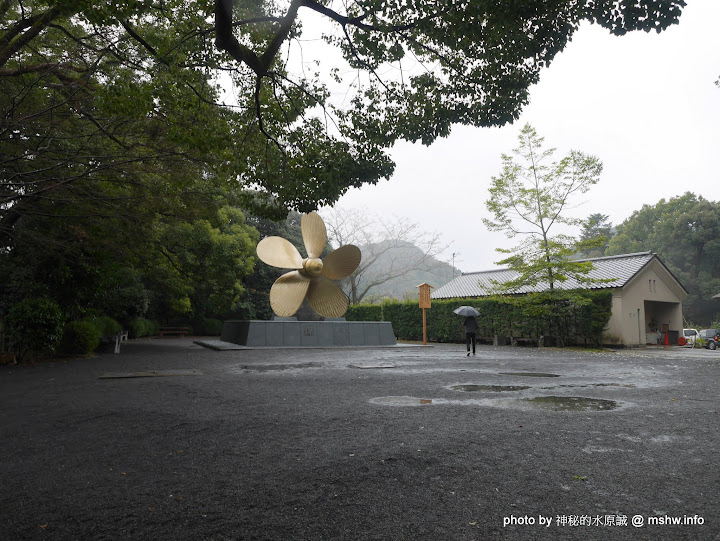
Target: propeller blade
<point x="342" y="262"/>
<point x="278" y="252"/>
<point x="326" y="298"/>
<point x="288" y="293"/>
<point x="314" y="234"/>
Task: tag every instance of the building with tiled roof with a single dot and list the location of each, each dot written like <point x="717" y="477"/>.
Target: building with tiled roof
<point x="647" y="298"/>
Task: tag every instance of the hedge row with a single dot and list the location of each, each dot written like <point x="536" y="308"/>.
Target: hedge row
<point x="83" y="336"/>
<point x="37" y="327"/>
<point x="567" y="316"/>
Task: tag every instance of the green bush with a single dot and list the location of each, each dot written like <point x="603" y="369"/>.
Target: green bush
<point x="120" y="293"/>
<point x="106" y="325"/>
<point x="593" y="317"/>
<point x="365" y="312"/>
<point x="80" y="337"/>
<point x="568" y="316"/>
<point x="34" y="327"/>
<point x="140" y="327"/>
<point x="209" y="327"/>
<point x="406" y="319"/>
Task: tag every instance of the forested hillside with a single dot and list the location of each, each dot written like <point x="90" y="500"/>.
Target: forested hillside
<point x="430" y="270"/>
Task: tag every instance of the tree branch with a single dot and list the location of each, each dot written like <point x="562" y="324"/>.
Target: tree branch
<point x="38" y="25"/>
<point x="355" y="21"/>
<point x="130" y="30"/>
<point x="46" y="66"/>
<point x="5" y="7"/>
<point x="226" y="41"/>
<point x="261" y="124"/>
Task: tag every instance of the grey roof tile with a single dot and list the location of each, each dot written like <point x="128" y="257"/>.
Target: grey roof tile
<point x="619" y="269"/>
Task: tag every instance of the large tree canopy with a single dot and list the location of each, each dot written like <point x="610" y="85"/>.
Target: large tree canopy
<point x="416" y="67"/>
<point x="685" y="232"/>
<point x="480" y="56"/>
<point x="117" y="165"/>
<point x="91" y="88"/>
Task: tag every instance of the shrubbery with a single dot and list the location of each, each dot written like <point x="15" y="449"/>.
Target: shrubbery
<point x="37" y="327"/>
<point x="83" y="336"/>
<point x="107" y="325"/>
<point x="80" y="337"/>
<point x="34" y="327"/>
<point x="569" y="317"/>
<point x="140" y="327"/>
<point x="208" y="327"/>
<point x="365" y="312"/>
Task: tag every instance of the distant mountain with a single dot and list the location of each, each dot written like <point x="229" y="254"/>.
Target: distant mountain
<point x="407" y="260"/>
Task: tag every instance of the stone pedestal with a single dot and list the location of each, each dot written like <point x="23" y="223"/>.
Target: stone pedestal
<point x="283" y="333"/>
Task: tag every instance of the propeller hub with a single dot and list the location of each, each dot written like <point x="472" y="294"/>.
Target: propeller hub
<point x="313" y="266"/>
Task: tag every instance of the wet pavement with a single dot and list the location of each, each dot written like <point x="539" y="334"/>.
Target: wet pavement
<point x="171" y="440"/>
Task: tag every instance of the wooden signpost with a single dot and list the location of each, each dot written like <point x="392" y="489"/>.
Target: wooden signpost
<point x="424" y="296"/>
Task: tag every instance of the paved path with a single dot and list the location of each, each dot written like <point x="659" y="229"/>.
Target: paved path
<point x="169" y="440"/>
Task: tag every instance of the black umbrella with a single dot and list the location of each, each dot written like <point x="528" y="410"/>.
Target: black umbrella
<point x="466" y="311"/>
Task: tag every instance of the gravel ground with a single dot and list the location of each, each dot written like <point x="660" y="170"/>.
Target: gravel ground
<point x="404" y="443"/>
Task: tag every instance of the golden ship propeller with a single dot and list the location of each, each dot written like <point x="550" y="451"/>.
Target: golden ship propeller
<point x="312" y="276"/>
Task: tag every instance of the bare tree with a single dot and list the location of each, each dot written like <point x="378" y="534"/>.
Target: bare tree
<point x="391" y="247"/>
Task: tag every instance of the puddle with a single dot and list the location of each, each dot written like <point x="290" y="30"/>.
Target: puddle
<point x="530" y="374"/>
<point x="371" y="366"/>
<point x="405" y="401"/>
<point x="546" y="403"/>
<point x="150" y="374"/>
<point x="627" y="386"/>
<point x="571" y="403"/>
<point x="490" y="388"/>
<point x="279" y="367"/>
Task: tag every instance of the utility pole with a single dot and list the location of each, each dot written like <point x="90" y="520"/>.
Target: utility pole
<point x="453" y="262"/>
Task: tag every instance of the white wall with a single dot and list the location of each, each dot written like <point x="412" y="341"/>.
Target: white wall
<point x="653" y="293"/>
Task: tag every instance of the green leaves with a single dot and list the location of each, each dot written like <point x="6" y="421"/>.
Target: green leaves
<point x="198" y="266"/>
<point x="647" y="15"/>
<point x="570" y="315"/>
<point x="34" y="327"/>
<point x="595" y="235"/>
<point x="411" y="70"/>
<point x="137" y="82"/>
<point x="685" y="232"/>
<point x="529" y="198"/>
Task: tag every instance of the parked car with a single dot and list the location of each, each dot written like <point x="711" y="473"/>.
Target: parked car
<point x="711" y="337"/>
<point x="690" y="335"/>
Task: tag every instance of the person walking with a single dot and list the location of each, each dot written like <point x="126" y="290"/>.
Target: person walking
<point x="471" y="327"/>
